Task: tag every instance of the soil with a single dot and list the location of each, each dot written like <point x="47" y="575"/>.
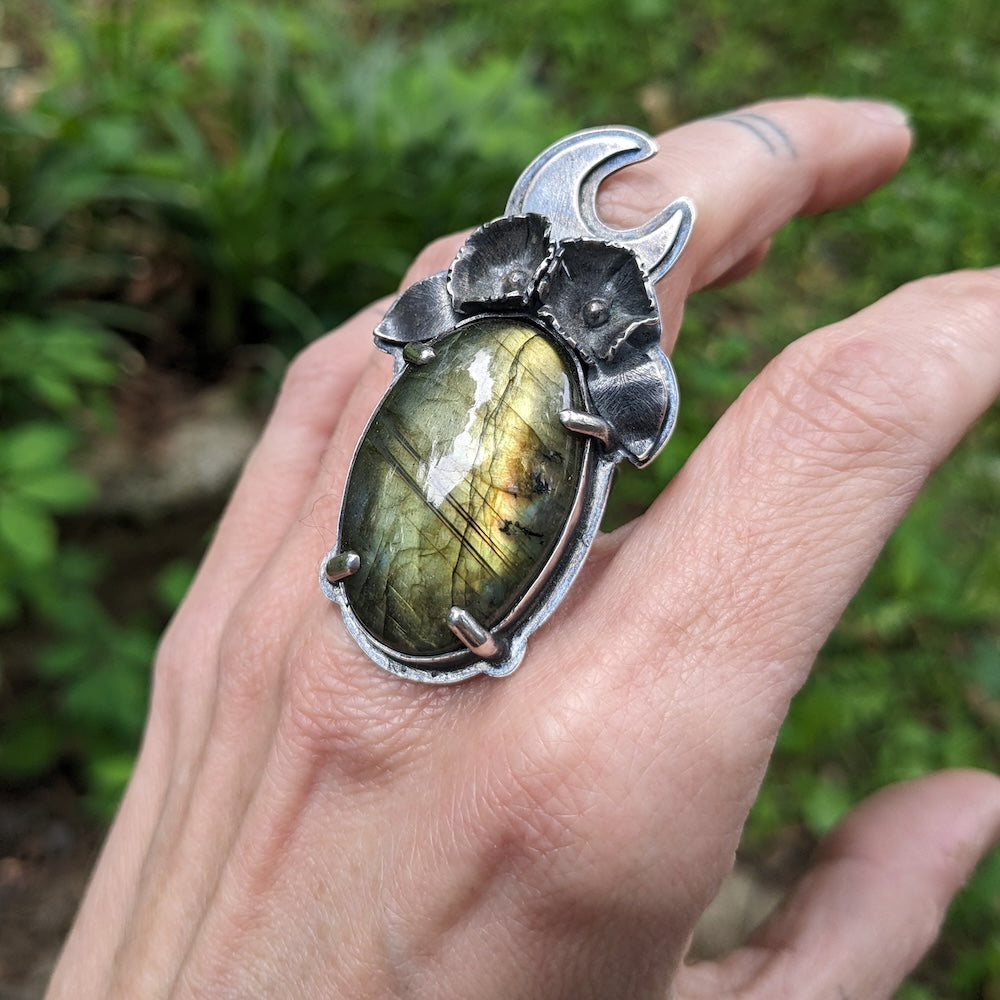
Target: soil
<point x="48" y="846"/>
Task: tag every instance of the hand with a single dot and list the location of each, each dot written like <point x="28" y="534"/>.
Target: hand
<point x="302" y="824"/>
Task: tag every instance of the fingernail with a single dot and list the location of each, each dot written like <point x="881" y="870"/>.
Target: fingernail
<point x="883" y="112"/>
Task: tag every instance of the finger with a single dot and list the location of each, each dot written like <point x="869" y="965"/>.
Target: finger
<point x="774" y="184"/>
<point x="273" y="483"/>
<point x="748" y="172"/>
<point x="873" y="901"/>
<point x="802" y="480"/>
<point x="280" y="470"/>
<point x="436" y="256"/>
<point x="751" y="170"/>
<point x="749" y="263"/>
<point x="310" y="403"/>
<point x="816" y="154"/>
<point x="277" y="477"/>
<point x="830" y="151"/>
<point x="742" y="567"/>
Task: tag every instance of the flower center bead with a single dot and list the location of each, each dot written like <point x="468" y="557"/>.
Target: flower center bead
<point x="596" y="312"/>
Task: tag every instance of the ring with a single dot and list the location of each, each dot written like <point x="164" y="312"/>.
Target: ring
<point x="523" y="374"/>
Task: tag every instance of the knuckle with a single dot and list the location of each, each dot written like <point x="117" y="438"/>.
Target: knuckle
<point x="880" y="389"/>
<point x="172" y="655"/>
<point x="842" y="401"/>
<point x="170" y="676"/>
<point x="557" y="791"/>
<point x="250" y="647"/>
<point x="883" y="394"/>
<point x="957" y="317"/>
<point x="184" y="664"/>
<point x="362" y="724"/>
<point x="543" y="810"/>
<point x="566" y="811"/>
<point x="972" y="297"/>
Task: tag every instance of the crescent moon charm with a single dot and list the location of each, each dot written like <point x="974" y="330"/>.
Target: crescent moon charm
<point x="562" y="182"/>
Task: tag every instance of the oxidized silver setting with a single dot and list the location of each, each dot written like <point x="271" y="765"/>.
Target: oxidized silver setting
<point x="551" y="262"/>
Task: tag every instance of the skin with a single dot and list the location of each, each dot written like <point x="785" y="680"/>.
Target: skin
<point x="302" y="824"/>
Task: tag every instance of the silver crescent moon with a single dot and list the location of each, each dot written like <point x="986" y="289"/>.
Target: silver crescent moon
<point x="562" y="184"/>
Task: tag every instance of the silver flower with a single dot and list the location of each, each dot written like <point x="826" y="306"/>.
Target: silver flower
<point x="595" y="296"/>
<point x="499" y="265"/>
<point x="637" y="395"/>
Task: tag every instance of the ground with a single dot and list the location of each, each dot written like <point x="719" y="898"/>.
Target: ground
<point x="48" y="845"/>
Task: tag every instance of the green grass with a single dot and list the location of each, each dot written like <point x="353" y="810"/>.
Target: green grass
<point x="277" y="165"/>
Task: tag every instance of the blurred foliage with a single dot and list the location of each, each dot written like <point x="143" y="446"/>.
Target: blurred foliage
<point x="54" y="375"/>
<point x="178" y="183"/>
<point x="217" y="176"/>
<point x="183" y="183"/>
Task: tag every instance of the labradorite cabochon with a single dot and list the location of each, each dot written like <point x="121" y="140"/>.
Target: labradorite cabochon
<point x="462" y="485"/>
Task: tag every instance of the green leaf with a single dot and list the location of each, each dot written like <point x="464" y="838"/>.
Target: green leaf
<point x="35" y="446"/>
<point x="173" y="583"/>
<point x="54" y="390"/>
<point x="27" y="531"/>
<point x="824" y="805"/>
<point x="9" y="606"/>
<point x="108" y="776"/>
<point x="60" y="490"/>
<point x="29" y="745"/>
<point x="84" y="358"/>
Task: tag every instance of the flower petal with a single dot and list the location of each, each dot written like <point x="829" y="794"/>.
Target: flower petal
<point x="595" y="296"/>
<point x="637" y="394"/>
<point x="422" y="312"/>
<point x="499" y="265"/>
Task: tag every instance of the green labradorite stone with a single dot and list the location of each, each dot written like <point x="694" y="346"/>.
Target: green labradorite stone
<point x="462" y="485"/>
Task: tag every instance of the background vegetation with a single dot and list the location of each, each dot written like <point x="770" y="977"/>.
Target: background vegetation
<point x="192" y="188"/>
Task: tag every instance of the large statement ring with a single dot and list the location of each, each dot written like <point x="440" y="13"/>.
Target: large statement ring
<point x="523" y="375"/>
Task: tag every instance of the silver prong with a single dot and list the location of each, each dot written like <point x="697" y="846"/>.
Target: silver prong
<point x="480" y="641"/>
<point x="418" y="354"/>
<point x="586" y="423"/>
<point x="342" y="565"/>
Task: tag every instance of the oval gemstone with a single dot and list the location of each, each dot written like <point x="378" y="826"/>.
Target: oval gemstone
<point x="462" y="485"/>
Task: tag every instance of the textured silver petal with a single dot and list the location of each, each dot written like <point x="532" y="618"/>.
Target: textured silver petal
<point x="499" y="265"/>
<point x="596" y="296"/>
<point x="637" y="395"/>
<point x="422" y="313"/>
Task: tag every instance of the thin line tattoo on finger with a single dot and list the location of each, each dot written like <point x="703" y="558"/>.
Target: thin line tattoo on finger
<point x="770" y="134"/>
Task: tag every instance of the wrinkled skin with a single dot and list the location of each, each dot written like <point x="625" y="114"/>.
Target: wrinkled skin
<point x="302" y="824"/>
